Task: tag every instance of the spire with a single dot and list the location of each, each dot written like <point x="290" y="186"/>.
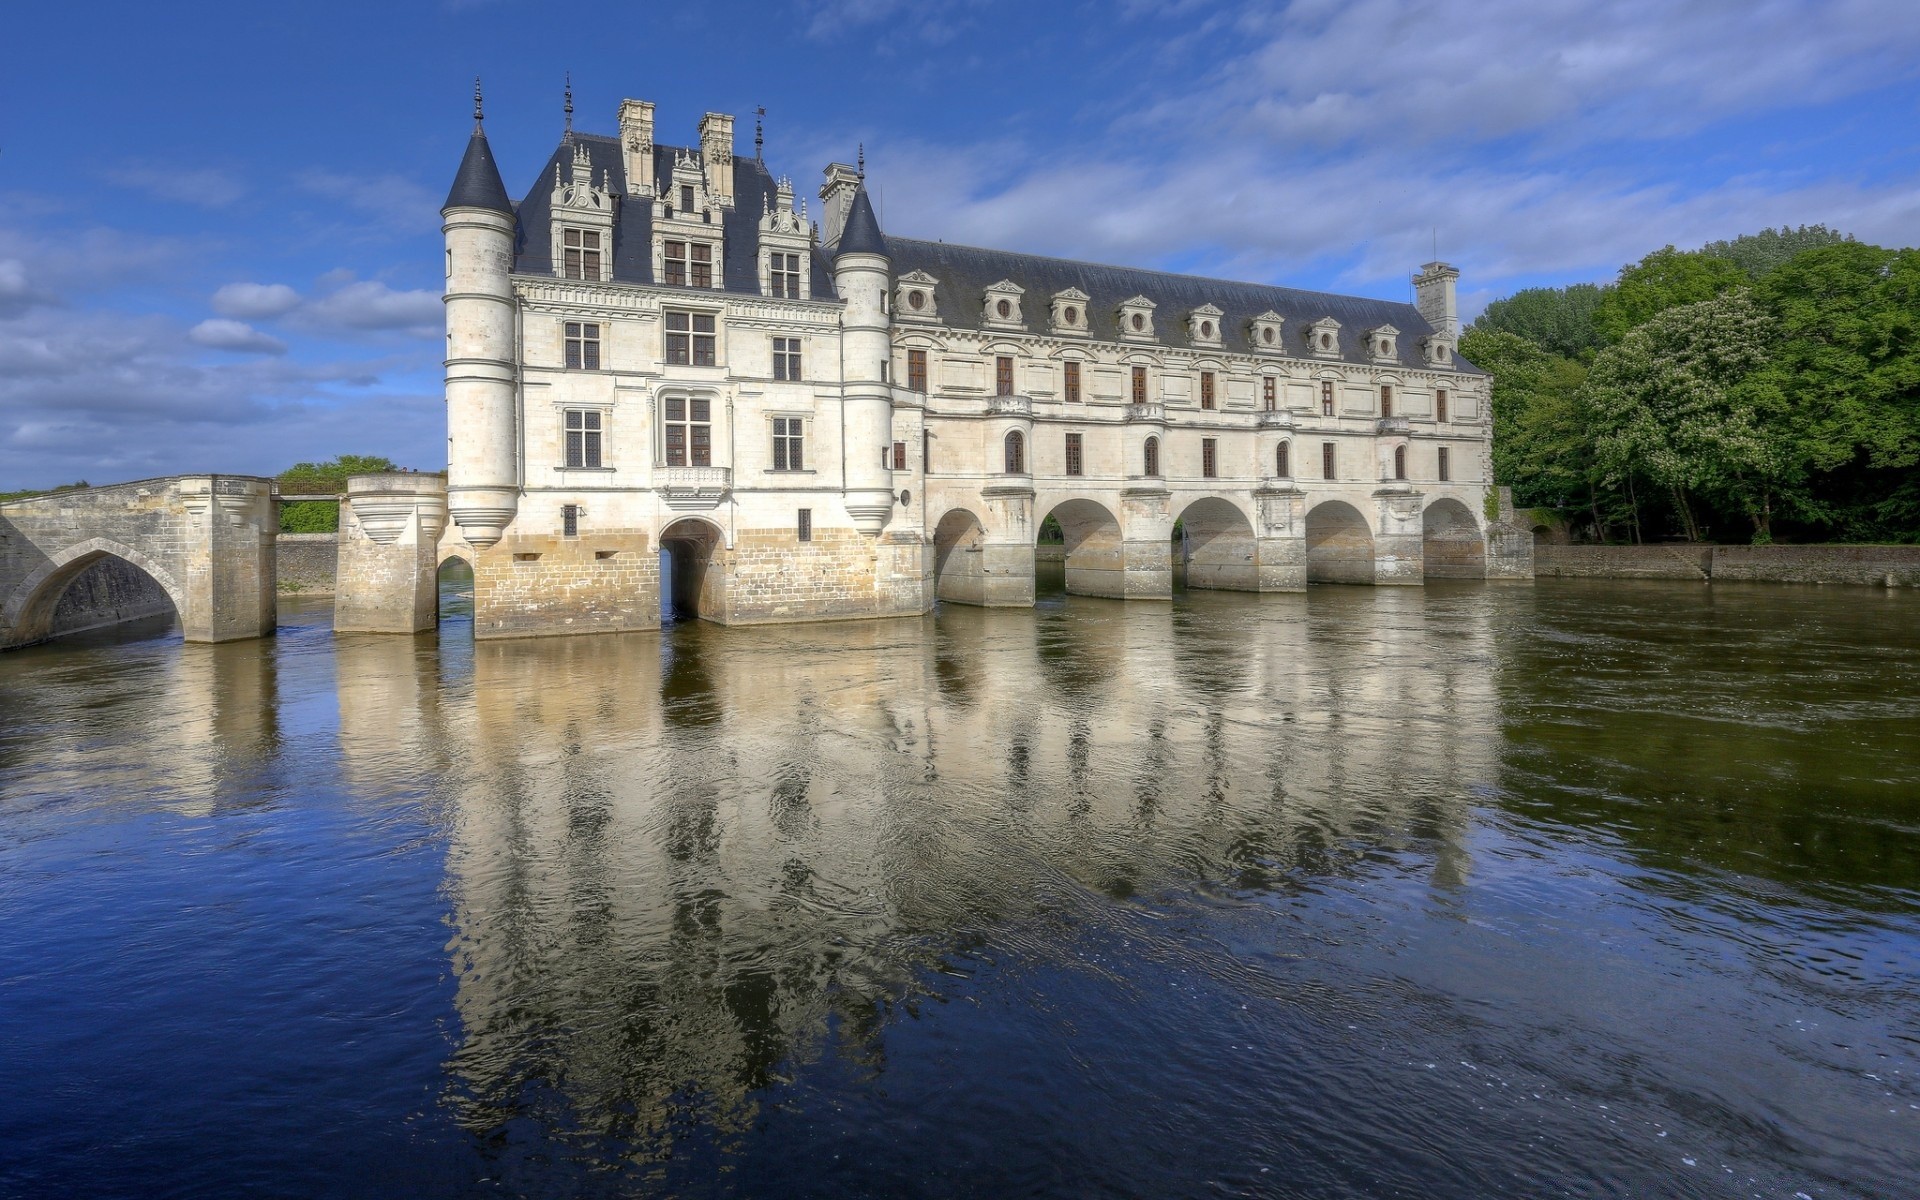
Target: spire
<point x="759" y="130"/>
<point x="568" y="135"/>
<point x="861" y="170"/>
<point x="477" y="185"/>
<point x="862" y="232"/>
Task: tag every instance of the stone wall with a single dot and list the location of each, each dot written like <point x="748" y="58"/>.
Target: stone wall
<point x="1867" y="565"/>
<point x="307" y="562"/>
<point x="531" y="586"/>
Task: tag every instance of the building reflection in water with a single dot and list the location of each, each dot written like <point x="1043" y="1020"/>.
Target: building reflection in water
<point x="684" y="866"/>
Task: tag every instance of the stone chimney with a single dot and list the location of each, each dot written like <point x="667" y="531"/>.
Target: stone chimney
<point x="836" y="199"/>
<point x="636" y="141"/>
<point x="716" y="157"/>
<point x="1433" y="296"/>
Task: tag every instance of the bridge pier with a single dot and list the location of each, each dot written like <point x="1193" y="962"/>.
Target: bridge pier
<point x="1399" y="549"/>
<point x="387" y="579"/>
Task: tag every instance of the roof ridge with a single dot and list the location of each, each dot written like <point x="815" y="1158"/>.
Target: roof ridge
<point x="1081" y="262"/>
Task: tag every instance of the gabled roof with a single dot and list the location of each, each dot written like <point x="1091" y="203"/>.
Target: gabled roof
<point x="966" y="272"/>
<point x="477" y="184"/>
<point x="753" y="193"/>
<point x="862" y="234"/>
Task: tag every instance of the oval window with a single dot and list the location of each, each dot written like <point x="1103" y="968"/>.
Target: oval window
<point x="1206" y="329"/>
<point x="1139" y="322"/>
<point x="1326" y="341"/>
<point x="1071" y="314"/>
<point x="916" y="300"/>
<point x="1003" y="308"/>
<point x="1266" y="335"/>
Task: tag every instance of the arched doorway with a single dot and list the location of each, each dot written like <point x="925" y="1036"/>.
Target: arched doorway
<point x="1450" y="542"/>
<point x="455" y="584"/>
<point x="1094" y="553"/>
<point x="1219" y="546"/>
<point x="692" y="581"/>
<point x="959" y="568"/>
<point x="1339" y="544"/>
<point x="90" y="587"/>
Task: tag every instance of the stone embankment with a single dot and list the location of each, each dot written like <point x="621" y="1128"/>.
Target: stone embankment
<point x="1872" y="566"/>
<point x="307" y="563"/>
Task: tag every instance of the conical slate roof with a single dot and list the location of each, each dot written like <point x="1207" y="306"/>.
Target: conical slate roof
<point x="862" y="234"/>
<point x="478" y="183"/>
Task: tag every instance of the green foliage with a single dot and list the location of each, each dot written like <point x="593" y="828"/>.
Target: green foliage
<point x="1559" y="320"/>
<point x="65" y="487"/>
<point x="1665" y="279"/>
<point x="322" y="478"/>
<point x="1540" y="447"/>
<point x="1050" y="532"/>
<point x="1759" y="253"/>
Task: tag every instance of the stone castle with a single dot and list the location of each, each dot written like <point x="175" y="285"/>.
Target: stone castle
<point x="655" y="351"/>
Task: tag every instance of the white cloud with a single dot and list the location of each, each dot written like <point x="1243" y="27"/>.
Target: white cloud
<point x="396" y="201"/>
<point x="15" y="296"/>
<point x="368" y="305"/>
<point x="253" y="301"/>
<point x="218" y="333"/>
<point x="204" y="187"/>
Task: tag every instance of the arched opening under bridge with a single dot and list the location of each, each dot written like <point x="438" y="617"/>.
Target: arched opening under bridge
<point x="1219" y="546"/>
<point x="959" y="558"/>
<point x="1339" y="544"/>
<point x="454" y="581"/>
<point x="1450" y="542"/>
<point x="692" y="580"/>
<point x="90" y="586"/>
<point x="1092" y="550"/>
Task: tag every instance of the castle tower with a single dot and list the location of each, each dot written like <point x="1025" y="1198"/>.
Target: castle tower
<point x="860" y="272"/>
<point x="478" y="223"/>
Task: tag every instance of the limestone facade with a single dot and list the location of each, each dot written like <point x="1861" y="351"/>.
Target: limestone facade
<point x="661" y="375"/>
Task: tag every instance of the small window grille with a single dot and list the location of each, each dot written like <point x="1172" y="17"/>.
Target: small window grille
<point x="899" y="456"/>
<point x="804" y="527"/>
<point x="1139" y="385"/>
<point x="788" y="444"/>
<point x="583" y="438"/>
<point x="1206" y="389"/>
<point x="1151" y="456"/>
<point x="1399" y="462"/>
<point x="1440" y="405"/>
<point x="570" y="520"/>
<point x="583" y="346"/>
<point x="1070" y="380"/>
<point x="686" y="198"/>
<point x="1326" y="460"/>
<point x="580" y="252"/>
<point x="786" y="358"/>
<point x="1386" y="399"/>
<point x="675" y="258"/>
<point x="1326" y="397"/>
<point x="1208" y="458"/>
<point x="1073" y="454"/>
<point x="1003" y="376"/>
<point x="1446" y="471"/>
<point x="916" y="370"/>
<point x="1016" y="453"/>
<point x="1268" y="393"/>
<point x="1281" y="467"/>
<point x="702" y="273"/>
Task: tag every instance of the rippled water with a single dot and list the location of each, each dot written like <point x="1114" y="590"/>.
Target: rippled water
<point x="1574" y="889"/>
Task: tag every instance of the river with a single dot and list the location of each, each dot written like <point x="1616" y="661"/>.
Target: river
<point x="1577" y="889"/>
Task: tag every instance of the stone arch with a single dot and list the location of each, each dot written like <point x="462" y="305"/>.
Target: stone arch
<point x="959" y="558"/>
<point x="1451" y="544"/>
<point x="1543" y="535"/>
<point x="28" y="614"/>
<point x="693" y="577"/>
<point x="1220" y="547"/>
<point x="1095" y="548"/>
<point x="1339" y="544"/>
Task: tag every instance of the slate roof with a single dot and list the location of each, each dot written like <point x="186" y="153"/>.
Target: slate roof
<point x="753" y="194"/>
<point x="965" y="272"/>
<point x="862" y="234"/>
<point x="477" y="184"/>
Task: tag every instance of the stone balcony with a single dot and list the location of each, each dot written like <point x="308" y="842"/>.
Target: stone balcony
<point x="1278" y="418"/>
<point x="1397" y="425"/>
<point x="1010" y="406"/>
<point x="692" y="488"/>
<point x="1146" y="412"/>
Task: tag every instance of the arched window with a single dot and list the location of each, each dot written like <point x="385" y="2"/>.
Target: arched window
<point x="1152" y="456"/>
<point x="1281" y="467"/>
<point x="1016" y="453"/>
<point x="1399" y="462"/>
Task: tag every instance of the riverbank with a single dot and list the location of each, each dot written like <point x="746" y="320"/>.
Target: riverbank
<point x="1870" y="566"/>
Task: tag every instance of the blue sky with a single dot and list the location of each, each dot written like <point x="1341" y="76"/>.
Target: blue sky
<point x="219" y="240"/>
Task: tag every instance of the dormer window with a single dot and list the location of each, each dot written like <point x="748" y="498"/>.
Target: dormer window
<point x="1136" y="320"/>
<point x="1381" y="342"/>
<point x="1437" y="350"/>
<point x="1203" y="326"/>
<point x="1002" y="309"/>
<point x="686" y="197"/>
<point x="582" y="254"/>
<point x="1070" y="312"/>
<point x="913" y="297"/>
<point x="688" y="264"/>
<point x="783" y="275"/>
<point x="1263" y="332"/>
<point x="1323" y="338"/>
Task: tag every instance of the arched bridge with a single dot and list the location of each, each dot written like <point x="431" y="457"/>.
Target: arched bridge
<point x="206" y="542"/>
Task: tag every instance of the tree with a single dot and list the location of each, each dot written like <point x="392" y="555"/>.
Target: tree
<point x="1665" y="279"/>
<point x="1760" y="253"/>
<point x="321" y="478"/>
<point x="1673" y="403"/>
<point x="1559" y="320"/>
